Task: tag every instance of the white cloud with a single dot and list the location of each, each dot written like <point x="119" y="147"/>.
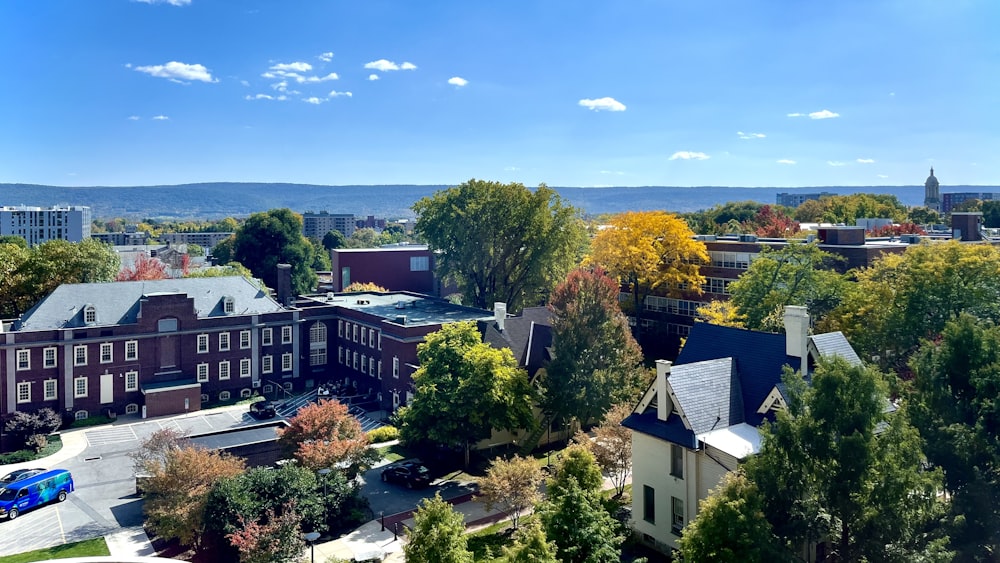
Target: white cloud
<point x="133" y="118"/>
<point x="689" y="155"/>
<point x="836" y="163"/>
<point x="457" y="81"/>
<point x="160" y="118"/>
<point x="883" y="176"/>
<point x="386" y="65"/>
<point x="866" y="161"/>
<point x="292" y="67"/>
<point x="326" y="57"/>
<point x="279" y="98"/>
<point x="602" y="104"/>
<point x="314" y="100"/>
<point x="743" y="135"/>
<point x="171" y="2"/>
<point x="336" y="94"/>
<point x="245" y="83"/>
<point x="331" y="76"/>
<point x="615" y="172"/>
<point x="796" y="114"/>
<point x="786" y="161"/>
<point x="408" y="66"/>
<point x="179" y="72"/>
<point x="372" y="77"/>
<point x="511" y="169"/>
<point x="823" y="114"/>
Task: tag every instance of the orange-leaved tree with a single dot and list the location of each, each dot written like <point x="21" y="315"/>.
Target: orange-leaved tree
<point x="144" y="268"/>
<point x="361" y="287"/>
<point x="325" y="435"/>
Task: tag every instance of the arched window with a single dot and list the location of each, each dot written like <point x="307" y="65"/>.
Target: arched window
<point x="245" y="393"/>
<point x="287" y="386"/>
<point x="269" y="388"/>
<point x="82" y="415"/>
<point x="228" y="305"/>
<point x="224" y="396"/>
<point x="89" y="314"/>
<point x="131" y="408"/>
<point x="204" y="397"/>
<point x="317" y="344"/>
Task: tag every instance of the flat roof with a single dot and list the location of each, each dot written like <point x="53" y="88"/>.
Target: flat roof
<point x="394" y="248"/>
<point x="231" y="438"/>
<point x="419" y="310"/>
<point x="739" y="440"/>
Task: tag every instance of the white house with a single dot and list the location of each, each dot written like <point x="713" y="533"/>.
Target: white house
<point x="700" y="417"/>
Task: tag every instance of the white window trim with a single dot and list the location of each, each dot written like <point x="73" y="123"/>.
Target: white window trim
<point x="24" y="353"/>
<point x="286" y="362"/>
<point x="134" y="344"/>
<point x="55" y="389"/>
<point x="55" y="357"/>
<point x="266" y="336"/>
<point x="267" y="364"/>
<point x="286" y="334"/>
<point x="202" y="343"/>
<point x="76" y="356"/>
<point x="24" y="385"/>
<point x="224" y="342"/>
<point x="202" y="373"/>
<point x="244" y="340"/>
<point x="76" y="387"/>
<point x="224" y="371"/>
<point x="134" y="384"/>
<point x="111" y="352"/>
<point x="245" y="367"/>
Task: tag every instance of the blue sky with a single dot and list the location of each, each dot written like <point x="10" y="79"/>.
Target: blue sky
<point x="625" y="93"/>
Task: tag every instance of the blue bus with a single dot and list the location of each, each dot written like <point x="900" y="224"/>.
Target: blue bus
<point x="28" y="493"/>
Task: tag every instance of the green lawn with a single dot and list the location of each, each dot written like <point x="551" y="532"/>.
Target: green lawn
<point x="85" y="548"/>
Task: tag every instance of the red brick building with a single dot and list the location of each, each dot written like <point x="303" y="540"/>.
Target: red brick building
<point x="405" y="267"/>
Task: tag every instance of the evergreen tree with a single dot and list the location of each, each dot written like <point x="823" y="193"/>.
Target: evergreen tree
<point x="582" y="529"/>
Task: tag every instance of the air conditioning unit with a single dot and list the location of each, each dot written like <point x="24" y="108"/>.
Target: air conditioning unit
<point x="748" y="238"/>
<point x="256" y="384"/>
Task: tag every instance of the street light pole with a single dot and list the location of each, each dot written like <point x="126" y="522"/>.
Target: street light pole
<point x="311" y="538"/>
<point x="322" y="475"/>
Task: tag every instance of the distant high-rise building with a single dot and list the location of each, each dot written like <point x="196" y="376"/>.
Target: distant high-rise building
<point x="932" y="192"/>
<point x="316" y="225"/>
<point x="39" y="224"/>
<point x="795" y="199"/>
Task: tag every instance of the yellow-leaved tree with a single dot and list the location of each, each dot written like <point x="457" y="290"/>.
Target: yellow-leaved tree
<point x="650" y="250"/>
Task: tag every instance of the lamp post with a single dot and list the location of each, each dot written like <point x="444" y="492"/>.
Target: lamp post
<point x="311" y="538"/>
<point x="322" y="475"/>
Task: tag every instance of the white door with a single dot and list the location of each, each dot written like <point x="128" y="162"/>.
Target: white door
<point x="107" y="388"/>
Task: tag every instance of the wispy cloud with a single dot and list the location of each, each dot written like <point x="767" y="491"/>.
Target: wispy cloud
<point x="387" y="65"/>
<point x="279" y="98"/>
<point x="245" y="83"/>
<point x="796" y="114"/>
<point x="314" y="100"/>
<point x="613" y="172"/>
<point x="786" y="161"/>
<point x="689" y="155"/>
<point x="171" y="2"/>
<point x="457" y="81"/>
<point x="336" y="94"/>
<point x="823" y="114"/>
<point x="178" y="72"/>
<point x="883" y="176"/>
<point x="133" y="118"/>
<point x="372" y="77"/>
<point x="325" y="57"/>
<point x="743" y="135"/>
<point x="511" y="168"/>
<point x="297" y="66"/>
<point x="836" y="163"/>
<point x="866" y="161"/>
<point x="160" y="118"/>
<point x="602" y="104"/>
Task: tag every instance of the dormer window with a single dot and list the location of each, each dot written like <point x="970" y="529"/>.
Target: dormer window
<point x="89" y="314"/>
<point x="228" y="305"/>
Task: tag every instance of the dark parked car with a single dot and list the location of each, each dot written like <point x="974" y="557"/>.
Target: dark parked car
<point x="19" y="474"/>
<point x="409" y="473"/>
<point x="262" y="409"/>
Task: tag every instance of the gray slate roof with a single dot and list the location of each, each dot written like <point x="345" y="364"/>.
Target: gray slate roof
<point x="831" y="344"/>
<point x="533" y="325"/>
<point x="118" y="302"/>
<point x="708" y="393"/>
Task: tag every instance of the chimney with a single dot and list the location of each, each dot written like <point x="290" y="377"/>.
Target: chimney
<point x="500" y="314"/>
<point x="664" y="405"/>
<point x="283" y="285"/>
<point x="797" y="333"/>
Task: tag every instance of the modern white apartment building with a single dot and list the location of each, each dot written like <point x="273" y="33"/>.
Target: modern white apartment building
<point x="316" y="225"/>
<point x="39" y="224"/>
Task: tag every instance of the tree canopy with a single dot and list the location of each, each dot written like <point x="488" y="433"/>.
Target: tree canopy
<point x="512" y="486"/>
<point x="596" y="362"/>
<point x="274" y="237"/>
<point x="334" y="239"/>
<point x="464" y="389"/>
<point x="323" y="435"/>
<point x="438" y="534"/>
<point x="575" y="518"/>
<point x="501" y="242"/>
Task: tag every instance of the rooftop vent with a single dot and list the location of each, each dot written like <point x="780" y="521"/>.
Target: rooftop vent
<point x="748" y="238"/>
<point x="401" y="320"/>
<point x="705" y="237"/>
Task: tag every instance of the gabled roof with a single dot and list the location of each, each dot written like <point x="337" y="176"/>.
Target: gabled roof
<point x="528" y="336"/>
<point x="118" y="302"/>
<point x="708" y="393"/>
<point x="835" y="344"/>
<point x="672" y="430"/>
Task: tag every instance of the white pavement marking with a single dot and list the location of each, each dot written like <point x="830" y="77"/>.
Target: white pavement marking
<point x="112" y="435"/>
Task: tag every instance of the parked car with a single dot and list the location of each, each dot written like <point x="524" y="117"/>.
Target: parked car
<point x="412" y="474"/>
<point x="37" y="490"/>
<point x="262" y="409"/>
<point x="19" y="474"/>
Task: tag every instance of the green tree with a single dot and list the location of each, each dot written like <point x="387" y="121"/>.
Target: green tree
<point x="438" y="534"/>
<point x="848" y="208"/>
<point x="991" y="214"/>
<point x="512" y="485"/>
<point x="275" y="237"/>
<point x="334" y="239"/>
<point x="223" y="251"/>
<point x="837" y="465"/>
<point x="501" y="242"/>
<point x="195" y="250"/>
<point x="582" y="529"/>
<point x="530" y="546"/>
<point x="230" y="269"/>
<point x="927" y="216"/>
<point x="612" y="445"/>
<point x="464" y="389"/>
<point x="795" y="274"/>
<point x="723" y="218"/>
<point x="955" y="407"/>
<point x="650" y="250"/>
<point x="578" y="465"/>
<point x="597" y="362"/>
<point x="15" y="240"/>
<point x="363" y="238"/>
<point x="731" y="527"/>
<point x="275" y="539"/>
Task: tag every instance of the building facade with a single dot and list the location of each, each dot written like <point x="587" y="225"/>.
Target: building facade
<point x="39" y="224"/>
<point x="204" y="240"/>
<point x="796" y="199"/>
<point x="316" y="225"/>
<point x="406" y="267"/>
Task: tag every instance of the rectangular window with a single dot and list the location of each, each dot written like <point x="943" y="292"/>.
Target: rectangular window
<point x="395" y="367"/>
<point x="202" y="373"/>
<point x="51" y="389"/>
<point x="80" y="355"/>
<point x="371" y="337"/>
<point x="355" y="360"/>
<point x="355" y="333"/>
<point x="677" y="461"/>
<point x="131" y="350"/>
<point x="244" y="340"/>
<point x="202" y="343"/>
<point x="266" y="364"/>
<point x="79" y="387"/>
<point x="245" y="367"/>
<point x="24" y="392"/>
<point x="223" y="341"/>
<point x="286" y="361"/>
<point x="648" y="504"/>
<point x="265" y="336"/>
<point x="371" y="366"/>
<point x="380" y="341"/>
<point x="131" y="381"/>
<point x="107" y="353"/>
<point x="677" y="515"/>
<point x="50" y="357"/>
<point x="340" y="355"/>
<point x="364" y="337"/>
<point x="23" y="360"/>
<point x="420" y="263"/>
<point x="286" y="335"/>
<point x="340" y="328"/>
<point x="317" y="356"/>
<point x="364" y="363"/>
<point x="224" y="370"/>
<point x="380" y="369"/>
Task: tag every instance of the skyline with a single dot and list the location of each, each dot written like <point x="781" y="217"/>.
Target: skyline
<point x="160" y="92"/>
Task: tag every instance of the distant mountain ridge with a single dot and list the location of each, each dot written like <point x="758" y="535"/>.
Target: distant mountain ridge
<point x="221" y="199"/>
